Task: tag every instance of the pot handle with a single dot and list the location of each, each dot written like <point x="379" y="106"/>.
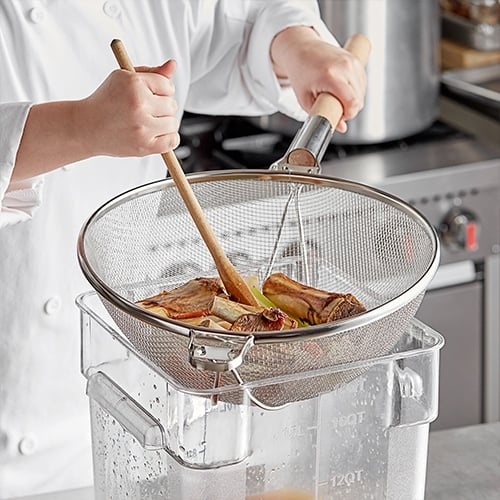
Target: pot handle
<point x="311" y="141"/>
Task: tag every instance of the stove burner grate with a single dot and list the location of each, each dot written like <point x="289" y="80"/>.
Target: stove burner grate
<point x="218" y="143"/>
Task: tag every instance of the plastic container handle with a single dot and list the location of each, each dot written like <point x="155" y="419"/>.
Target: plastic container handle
<point x="127" y="412"/>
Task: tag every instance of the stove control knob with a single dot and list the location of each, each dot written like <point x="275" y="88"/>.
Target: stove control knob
<point x="459" y="230"/>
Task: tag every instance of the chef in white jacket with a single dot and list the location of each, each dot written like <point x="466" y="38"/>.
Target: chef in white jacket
<point x="75" y="131"/>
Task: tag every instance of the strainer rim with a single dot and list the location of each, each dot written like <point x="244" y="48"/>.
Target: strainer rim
<point x="310" y="332"/>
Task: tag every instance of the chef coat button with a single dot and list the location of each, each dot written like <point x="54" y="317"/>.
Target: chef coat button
<point x="52" y="305"/>
<point x="36" y="15"/>
<point x="111" y="9"/>
<point x="27" y="445"/>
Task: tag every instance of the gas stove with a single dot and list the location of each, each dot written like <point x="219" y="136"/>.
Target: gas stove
<point x="218" y="142"/>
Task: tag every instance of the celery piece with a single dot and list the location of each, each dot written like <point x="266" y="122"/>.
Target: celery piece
<point x="261" y="298"/>
<point x="265" y="302"/>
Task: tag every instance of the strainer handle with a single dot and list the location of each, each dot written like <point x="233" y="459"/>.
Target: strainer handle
<point x="310" y="142"/>
<point x="329" y="106"/>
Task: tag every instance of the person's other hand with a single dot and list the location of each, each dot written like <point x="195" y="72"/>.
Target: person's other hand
<point x="314" y="66"/>
<point x="131" y="114"/>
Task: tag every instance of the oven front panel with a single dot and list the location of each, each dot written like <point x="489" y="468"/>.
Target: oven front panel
<point x="456" y="312"/>
<point x="462" y="203"/>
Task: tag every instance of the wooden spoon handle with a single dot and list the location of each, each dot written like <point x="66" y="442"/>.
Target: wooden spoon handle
<point x="234" y="283"/>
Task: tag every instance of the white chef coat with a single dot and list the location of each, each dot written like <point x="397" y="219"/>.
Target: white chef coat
<point x="56" y="50"/>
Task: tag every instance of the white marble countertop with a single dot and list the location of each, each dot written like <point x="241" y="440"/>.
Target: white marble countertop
<point x="463" y="464"/>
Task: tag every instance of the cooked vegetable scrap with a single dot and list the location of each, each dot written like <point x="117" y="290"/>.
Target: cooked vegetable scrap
<point x="245" y="318"/>
<point x="284" y="304"/>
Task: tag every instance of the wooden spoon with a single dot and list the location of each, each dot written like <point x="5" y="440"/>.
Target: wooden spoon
<point x="234" y="283"/>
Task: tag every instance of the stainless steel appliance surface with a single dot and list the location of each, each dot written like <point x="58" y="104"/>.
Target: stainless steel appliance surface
<point x="453" y="179"/>
<point x="455" y="183"/>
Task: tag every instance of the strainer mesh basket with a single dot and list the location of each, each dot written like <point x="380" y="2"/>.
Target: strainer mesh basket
<point x="350" y="239"/>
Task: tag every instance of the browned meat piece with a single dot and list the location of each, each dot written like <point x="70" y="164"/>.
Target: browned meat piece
<point x="265" y="321"/>
<point x="309" y="304"/>
<point x="193" y="299"/>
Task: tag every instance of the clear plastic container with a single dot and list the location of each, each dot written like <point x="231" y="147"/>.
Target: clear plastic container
<point x="154" y="439"/>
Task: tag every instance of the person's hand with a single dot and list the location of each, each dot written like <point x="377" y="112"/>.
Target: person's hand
<point x="313" y="66"/>
<point x="131" y="114"/>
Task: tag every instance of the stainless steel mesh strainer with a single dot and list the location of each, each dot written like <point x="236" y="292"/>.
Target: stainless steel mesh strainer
<point x="358" y="239"/>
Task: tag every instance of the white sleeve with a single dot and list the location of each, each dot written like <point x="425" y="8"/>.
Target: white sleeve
<point x="231" y="68"/>
<point x="18" y="200"/>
